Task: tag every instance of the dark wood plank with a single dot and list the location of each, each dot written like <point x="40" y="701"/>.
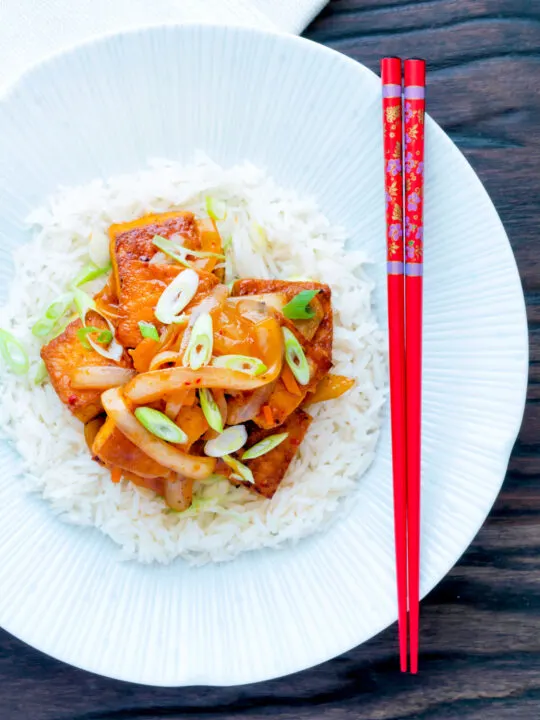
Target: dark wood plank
<point x="480" y="640"/>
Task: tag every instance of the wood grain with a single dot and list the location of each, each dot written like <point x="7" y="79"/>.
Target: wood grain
<point x="480" y="627"/>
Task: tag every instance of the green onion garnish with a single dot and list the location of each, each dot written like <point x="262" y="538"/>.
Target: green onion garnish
<point x="13" y="353"/>
<point x="295" y="357"/>
<point x="83" y="302"/>
<point x="298" y="308"/>
<point x="264" y="446"/>
<point x="41" y="373"/>
<point x="90" y="271"/>
<point x="104" y="337"/>
<point x="217" y="209"/>
<point x="230" y="440"/>
<point x="227" y="242"/>
<point x="241" y="363"/>
<point x="148" y="330"/>
<point x="241" y="471"/>
<point x="176" y="296"/>
<point x="179" y="252"/>
<point x="160" y="425"/>
<point x="45" y="325"/>
<point x="201" y="342"/>
<point x="210" y="410"/>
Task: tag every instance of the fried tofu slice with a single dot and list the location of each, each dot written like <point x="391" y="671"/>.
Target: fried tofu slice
<point x="141" y="286"/>
<point x="114" y="449"/>
<point x="320" y="329"/>
<point x="269" y="469"/>
<point x="315" y="339"/>
<point x="63" y="355"/>
<point x="138" y="283"/>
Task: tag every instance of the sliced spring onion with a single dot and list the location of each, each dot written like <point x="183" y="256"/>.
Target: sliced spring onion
<point x="98" y="248"/>
<point x="201" y="342"/>
<point x="148" y="330"/>
<point x="226" y="244"/>
<point x="179" y="252"/>
<point x="13" y="353"/>
<point x="211" y="410"/>
<point x="295" y="357"/>
<point x="90" y="271"/>
<point x="264" y="446"/>
<point x="298" y="308"/>
<point x="104" y="337"/>
<point x="83" y="302"/>
<point x="243" y="363"/>
<point x="217" y="209"/>
<point x="160" y="425"/>
<point x="176" y="296"/>
<point x="45" y="325"/>
<point x="182" y="319"/>
<point x="230" y="440"/>
<point x="41" y="373"/>
<point x="241" y="470"/>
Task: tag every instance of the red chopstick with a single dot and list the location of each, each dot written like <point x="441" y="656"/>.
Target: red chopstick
<point x="393" y="148"/>
<point x="413" y="160"/>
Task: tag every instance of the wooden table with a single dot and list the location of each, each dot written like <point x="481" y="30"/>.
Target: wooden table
<point x="481" y="627"/>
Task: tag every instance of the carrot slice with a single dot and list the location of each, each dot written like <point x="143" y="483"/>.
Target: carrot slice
<point x="144" y="352"/>
<point x="290" y="382"/>
<point x="116" y="474"/>
<point x="268" y="414"/>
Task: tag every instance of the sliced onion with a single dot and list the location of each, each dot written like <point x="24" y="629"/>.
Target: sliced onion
<point x="171" y="457"/>
<point x="230" y="440"/>
<point x="179" y="493"/>
<point x="247" y="405"/>
<point x="264" y="446"/>
<point x="241" y="470"/>
<point x="150" y="386"/>
<point x="84" y="303"/>
<point x="159" y="259"/>
<point x="295" y="357"/>
<point x="162" y="358"/>
<point x="100" y="377"/>
<point x="211" y="410"/>
<point x="274" y="300"/>
<point x="242" y="363"/>
<point x="201" y="340"/>
<point x="176" y="296"/>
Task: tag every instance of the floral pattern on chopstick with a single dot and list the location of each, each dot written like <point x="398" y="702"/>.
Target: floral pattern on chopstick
<point x="393" y="168"/>
<point x="413" y="163"/>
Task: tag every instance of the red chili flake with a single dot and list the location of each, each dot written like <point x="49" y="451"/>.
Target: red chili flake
<point x="198" y="381"/>
<point x="72" y="399"/>
<point x="188" y="384"/>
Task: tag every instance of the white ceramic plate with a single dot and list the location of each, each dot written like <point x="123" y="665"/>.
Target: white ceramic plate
<point x="312" y="117"/>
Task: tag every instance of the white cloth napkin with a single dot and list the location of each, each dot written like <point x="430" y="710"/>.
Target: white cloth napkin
<point x="33" y="29"/>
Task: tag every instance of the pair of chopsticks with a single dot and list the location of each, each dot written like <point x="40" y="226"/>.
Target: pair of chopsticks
<point x="403" y="123"/>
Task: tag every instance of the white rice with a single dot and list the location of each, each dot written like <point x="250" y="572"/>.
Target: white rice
<point x="297" y="241"/>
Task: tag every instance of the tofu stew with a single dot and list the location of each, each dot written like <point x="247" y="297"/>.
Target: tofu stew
<point x="178" y="377"/>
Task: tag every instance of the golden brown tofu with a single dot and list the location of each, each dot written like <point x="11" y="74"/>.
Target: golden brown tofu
<point x="324" y="333"/>
<point x="269" y="469"/>
<point x="115" y="450"/>
<point x="315" y="339"/>
<point x="141" y="286"/>
<point x="63" y="355"/>
<point x="132" y="241"/>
